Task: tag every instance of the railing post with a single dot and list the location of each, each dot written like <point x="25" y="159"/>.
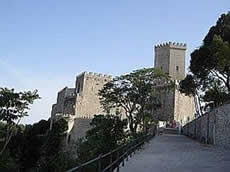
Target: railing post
<point x="99" y="164"/>
<point x="123" y="160"/>
<point x="127" y="153"/>
<point x="111" y="161"/>
<point x="130" y="155"/>
<point x="80" y="168"/>
<point x="118" y="163"/>
<point x="119" y="155"/>
<point x="134" y="151"/>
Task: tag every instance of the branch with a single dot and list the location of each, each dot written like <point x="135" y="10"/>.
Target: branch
<point x="8" y="138"/>
<point x="218" y="76"/>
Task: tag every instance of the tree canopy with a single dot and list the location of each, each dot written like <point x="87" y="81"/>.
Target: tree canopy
<point x="13" y="107"/>
<point x="210" y="65"/>
<point x="136" y="93"/>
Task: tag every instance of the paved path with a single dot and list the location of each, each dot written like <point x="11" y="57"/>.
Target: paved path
<point x="175" y="153"/>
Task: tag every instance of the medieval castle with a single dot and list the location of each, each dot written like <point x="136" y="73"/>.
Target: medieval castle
<point x="79" y="104"/>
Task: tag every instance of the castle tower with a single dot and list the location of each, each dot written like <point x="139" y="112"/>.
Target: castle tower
<point x="87" y="99"/>
<point x="170" y="58"/>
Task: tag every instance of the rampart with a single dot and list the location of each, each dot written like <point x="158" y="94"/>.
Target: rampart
<point x="212" y="127"/>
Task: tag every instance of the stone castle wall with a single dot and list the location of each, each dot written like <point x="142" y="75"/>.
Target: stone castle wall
<point x="170" y="57"/>
<point x="79" y="129"/>
<point x="162" y="56"/>
<point x="176" y="106"/>
<point x="85" y="103"/>
<point x="87" y="99"/>
<point x="184" y="107"/>
<point x="88" y="103"/>
<point x="166" y="112"/>
<point x="65" y="102"/>
<point x="177" y="62"/>
<point x="212" y="128"/>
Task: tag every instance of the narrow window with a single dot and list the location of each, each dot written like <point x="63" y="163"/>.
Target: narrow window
<point x="78" y="88"/>
<point x="177" y="68"/>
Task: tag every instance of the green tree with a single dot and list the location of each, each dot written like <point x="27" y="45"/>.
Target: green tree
<point x="13" y="107"/>
<point x="190" y="87"/>
<point x="135" y="93"/>
<point x="210" y="63"/>
<point x="51" y="150"/>
<point x="107" y="133"/>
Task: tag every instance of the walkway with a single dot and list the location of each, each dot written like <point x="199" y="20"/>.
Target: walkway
<point x="175" y="153"/>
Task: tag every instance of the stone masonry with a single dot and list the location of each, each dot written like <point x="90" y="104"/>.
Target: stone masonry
<point x="87" y="100"/>
<point x="81" y="103"/>
<point x="212" y="128"/>
<point x="170" y="58"/>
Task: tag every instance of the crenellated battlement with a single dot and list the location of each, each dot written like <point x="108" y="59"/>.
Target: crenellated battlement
<point x="95" y="75"/>
<point x="171" y="45"/>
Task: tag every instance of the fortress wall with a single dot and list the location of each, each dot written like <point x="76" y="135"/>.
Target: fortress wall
<point x="162" y="58"/>
<point x="81" y="125"/>
<point x="87" y="101"/>
<point x="223" y="126"/>
<point x="170" y="57"/>
<point x="212" y="130"/>
<point x="60" y="101"/>
<point x="176" y="106"/>
<point x="165" y="113"/>
<point x="212" y="127"/>
<point x="177" y="59"/>
<point x="184" y="108"/>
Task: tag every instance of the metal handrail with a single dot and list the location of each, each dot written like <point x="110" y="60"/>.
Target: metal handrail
<point x="120" y="157"/>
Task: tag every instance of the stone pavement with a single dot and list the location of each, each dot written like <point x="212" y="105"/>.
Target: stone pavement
<point x="177" y="153"/>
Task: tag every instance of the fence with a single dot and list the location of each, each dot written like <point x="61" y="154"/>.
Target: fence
<point x="112" y="160"/>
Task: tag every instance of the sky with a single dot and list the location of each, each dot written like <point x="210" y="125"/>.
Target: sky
<point x="45" y="44"/>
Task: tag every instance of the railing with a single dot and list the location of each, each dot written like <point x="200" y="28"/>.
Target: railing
<point x="111" y="161"/>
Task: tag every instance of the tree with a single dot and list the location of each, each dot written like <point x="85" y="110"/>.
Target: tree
<point x="210" y="63"/>
<point x="13" y="107"/>
<point x="135" y="93"/>
<point x="51" y="149"/>
<point x="107" y="133"/>
<point x="190" y="87"/>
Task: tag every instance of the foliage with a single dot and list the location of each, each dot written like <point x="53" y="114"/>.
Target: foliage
<point x="136" y="93"/>
<point x="13" y="107"/>
<point x="188" y="86"/>
<point x="62" y="161"/>
<point x="210" y="63"/>
<point x="51" y="150"/>
<point x="107" y="134"/>
<point x="7" y="163"/>
<point x="34" y="147"/>
<point x="25" y="145"/>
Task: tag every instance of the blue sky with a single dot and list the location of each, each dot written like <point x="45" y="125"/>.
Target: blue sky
<point x="44" y="44"/>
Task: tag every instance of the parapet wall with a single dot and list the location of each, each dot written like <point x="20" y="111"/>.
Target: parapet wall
<point x="211" y="128"/>
<point x="171" y="45"/>
<point x="94" y="75"/>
